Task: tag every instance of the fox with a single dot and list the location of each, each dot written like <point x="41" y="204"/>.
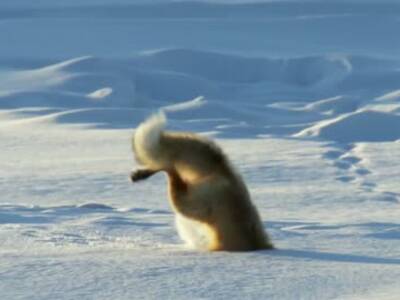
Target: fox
<point x="212" y="206"/>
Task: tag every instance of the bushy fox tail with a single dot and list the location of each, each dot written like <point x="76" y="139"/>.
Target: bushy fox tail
<point x="182" y="152"/>
<point x="146" y="143"/>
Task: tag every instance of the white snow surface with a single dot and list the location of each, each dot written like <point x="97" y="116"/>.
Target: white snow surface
<point x="304" y="97"/>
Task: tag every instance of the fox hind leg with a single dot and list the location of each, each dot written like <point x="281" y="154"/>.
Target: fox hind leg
<point x="142" y="174"/>
<point x="182" y="200"/>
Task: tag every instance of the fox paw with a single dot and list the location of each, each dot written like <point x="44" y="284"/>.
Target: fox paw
<point x="141" y="174"/>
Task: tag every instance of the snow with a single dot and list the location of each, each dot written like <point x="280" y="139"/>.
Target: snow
<point x="354" y="127"/>
<point x="302" y="96"/>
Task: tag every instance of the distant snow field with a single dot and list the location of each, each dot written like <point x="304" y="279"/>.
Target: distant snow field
<point x="304" y="97"/>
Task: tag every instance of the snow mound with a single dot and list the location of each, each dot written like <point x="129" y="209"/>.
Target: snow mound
<point x="119" y="92"/>
<point x="334" y="105"/>
<point x="303" y="71"/>
<point x="361" y="126"/>
<point x="100" y="93"/>
<point x="103" y="91"/>
<point x="95" y="206"/>
<point x="391" y="96"/>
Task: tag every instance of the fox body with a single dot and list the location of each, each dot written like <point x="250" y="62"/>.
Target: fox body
<point x="211" y="202"/>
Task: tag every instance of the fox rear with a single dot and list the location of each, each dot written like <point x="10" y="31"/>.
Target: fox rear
<point x="211" y="202"/>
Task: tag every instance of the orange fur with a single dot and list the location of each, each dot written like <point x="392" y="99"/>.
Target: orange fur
<point x="204" y="188"/>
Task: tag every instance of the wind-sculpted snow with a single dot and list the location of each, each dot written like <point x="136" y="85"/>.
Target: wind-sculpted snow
<point x="235" y="69"/>
<point x="304" y="98"/>
<point x="108" y="92"/>
<point x="361" y="126"/>
<point x="83" y="226"/>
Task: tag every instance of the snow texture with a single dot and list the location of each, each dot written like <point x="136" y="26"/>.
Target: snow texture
<point x="304" y="97"/>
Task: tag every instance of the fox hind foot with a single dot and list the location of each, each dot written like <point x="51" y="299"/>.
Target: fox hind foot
<point x="142" y="174"/>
